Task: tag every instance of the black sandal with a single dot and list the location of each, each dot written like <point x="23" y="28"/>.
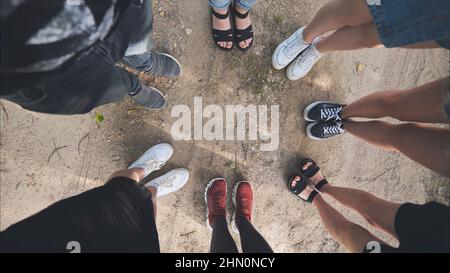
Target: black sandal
<point x="243" y="34"/>
<point x="312" y="170"/>
<point x="300" y="187"/>
<point x="223" y="35"/>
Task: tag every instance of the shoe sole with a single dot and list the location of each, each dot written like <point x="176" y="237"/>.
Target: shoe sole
<point x="308" y="131"/>
<point x="309" y="107"/>
<point x="233" y="222"/>
<point x="173" y="58"/>
<point x="206" y="200"/>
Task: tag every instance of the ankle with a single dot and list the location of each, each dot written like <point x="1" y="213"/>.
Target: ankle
<point x="344" y="113"/>
<point x="217" y="218"/>
<point x="241" y="9"/>
<point x="307" y="37"/>
<point x="317" y="200"/>
<point x="241" y="219"/>
<point x="221" y="11"/>
<point x="153" y="191"/>
<point x="319" y="46"/>
<point x="326" y="188"/>
<point x="137" y="174"/>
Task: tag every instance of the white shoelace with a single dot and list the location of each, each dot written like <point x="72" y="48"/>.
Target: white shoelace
<point x="330" y="113"/>
<point x="333" y="130"/>
<point x="151" y="165"/>
<point x="310" y="56"/>
<point x="294" y="47"/>
<point x="168" y="183"/>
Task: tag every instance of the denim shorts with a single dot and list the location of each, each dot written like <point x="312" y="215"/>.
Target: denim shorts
<point x="406" y="22"/>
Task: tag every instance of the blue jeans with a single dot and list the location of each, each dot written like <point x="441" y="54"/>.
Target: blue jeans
<point x="92" y="78"/>
<point x="223" y="4"/>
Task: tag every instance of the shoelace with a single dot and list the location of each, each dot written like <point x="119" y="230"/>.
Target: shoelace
<point x="293" y="48"/>
<point x="153" y="165"/>
<point x="309" y="57"/>
<point x="168" y="182"/>
<point x="330" y="113"/>
<point x="333" y="130"/>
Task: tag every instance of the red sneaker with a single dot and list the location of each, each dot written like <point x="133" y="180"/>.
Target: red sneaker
<point x="243" y="202"/>
<point x="215" y="199"/>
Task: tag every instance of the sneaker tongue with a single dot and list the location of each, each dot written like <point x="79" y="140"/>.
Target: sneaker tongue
<point x="293" y="48"/>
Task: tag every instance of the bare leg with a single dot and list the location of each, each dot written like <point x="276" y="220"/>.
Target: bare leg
<point x="350" y="38"/>
<point x="352" y="236"/>
<point x="420" y="104"/>
<point x="137" y="175"/>
<point x="337" y="14"/>
<point x="427" y="145"/>
<point x="378" y="212"/>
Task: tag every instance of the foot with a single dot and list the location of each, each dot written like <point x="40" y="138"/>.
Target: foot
<point x="153" y="159"/>
<point x="170" y="182"/>
<point x="304" y="62"/>
<point x="321" y="131"/>
<point x="156" y="64"/>
<point x="223" y="25"/>
<point x="242" y="24"/>
<point x="304" y="194"/>
<point x="289" y="49"/>
<point x="216" y="200"/>
<point x="318" y="180"/>
<point x="243" y="203"/>
<point x="150" y="98"/>
<point x="322" y="111"/>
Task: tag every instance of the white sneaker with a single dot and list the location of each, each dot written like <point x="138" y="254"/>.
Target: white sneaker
<point x="289" y="49"/>
<point x="304" y="62"/>
<point x="170" y="182"/>
<point x="154" y="158"/>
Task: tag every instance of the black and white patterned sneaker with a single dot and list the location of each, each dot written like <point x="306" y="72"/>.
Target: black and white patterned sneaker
<point x="321" y="131"/>
<point x="322" y="111"/>
<point x="156" y="64"/>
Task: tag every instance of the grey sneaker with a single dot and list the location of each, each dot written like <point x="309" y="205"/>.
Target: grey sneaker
<point x="150" y="97"/>
<point x="156" y="64"/>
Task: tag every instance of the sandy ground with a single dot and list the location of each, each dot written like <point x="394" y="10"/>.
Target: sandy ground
<point x="32" y="177"/>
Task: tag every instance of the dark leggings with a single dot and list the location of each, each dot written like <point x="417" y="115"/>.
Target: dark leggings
<point x="251" y="240"/>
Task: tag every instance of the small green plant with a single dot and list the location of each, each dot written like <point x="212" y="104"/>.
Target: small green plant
<point x="99" y="118"/>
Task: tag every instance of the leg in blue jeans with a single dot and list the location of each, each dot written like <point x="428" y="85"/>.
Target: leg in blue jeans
<point x="141" y="42"/>
<point x="243" y="25"/>
<point x="139" y="56"/>
<point x="223" y="4"/>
